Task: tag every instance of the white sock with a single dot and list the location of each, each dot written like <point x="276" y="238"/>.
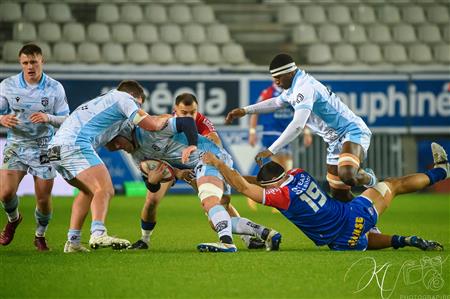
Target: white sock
<point x="146" y="235"/>
<point x="244" y="226"/>
<point x="221" y="220"/>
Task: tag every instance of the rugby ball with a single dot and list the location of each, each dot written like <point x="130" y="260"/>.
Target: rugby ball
<point x="152" y="164"/>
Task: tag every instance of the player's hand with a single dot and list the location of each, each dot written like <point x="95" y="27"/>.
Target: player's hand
<point x="156" y="175"/>
<point x="210" y="158"/>
<point x="233" y="114"/>
<point x="262" y="155"/>
<point x="186" y="175"/>
<point x="252" y="138"/>
<point x="186" y="153"/>
<point x="39" y="117"/>
<point x="9" y="121"/>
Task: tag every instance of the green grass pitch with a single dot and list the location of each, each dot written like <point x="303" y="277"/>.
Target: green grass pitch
<point x="172" y="268"/>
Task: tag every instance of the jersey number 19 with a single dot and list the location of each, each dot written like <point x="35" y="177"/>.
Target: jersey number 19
<point x="313" y="197"/>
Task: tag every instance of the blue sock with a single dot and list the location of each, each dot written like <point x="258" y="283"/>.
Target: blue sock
<point x="97" y="228"/>
<point x="42" y="221"/>
<point x="11" y="208"/>
<point x="145" y="225"/>
<point x="436" y="174"/>
<point x="398" y="241"/>
<point x="74" y="236"/>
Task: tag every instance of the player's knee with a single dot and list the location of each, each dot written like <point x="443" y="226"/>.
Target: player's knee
<point x="348" y="165"/>
<point x="7" y="193"/>
<point x="347" y="175"/>
<point x="208" y="190"/>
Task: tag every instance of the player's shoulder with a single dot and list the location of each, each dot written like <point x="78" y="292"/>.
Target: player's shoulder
<point x="53" y="84"/>
<point x="11" y="81"/>
<point x="295" y="171"/>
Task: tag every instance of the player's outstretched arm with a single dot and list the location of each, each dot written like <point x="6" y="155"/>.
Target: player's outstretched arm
<point x="150" y="122"/>
<point x="235" y="179"/>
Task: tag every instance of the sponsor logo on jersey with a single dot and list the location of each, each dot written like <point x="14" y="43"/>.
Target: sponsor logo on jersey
<point x="44" y="101"/>
<point x="17" y="99"/>
<point x="356" y="234"/>
<point x="300" y="98"/>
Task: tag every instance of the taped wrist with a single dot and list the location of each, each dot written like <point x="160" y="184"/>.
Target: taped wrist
<point x="151" y="187"/>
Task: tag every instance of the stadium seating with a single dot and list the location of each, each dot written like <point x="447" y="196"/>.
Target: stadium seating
<point x="420" y="53"/>
<point x="147" y="33"/>
<point x="10" y="12"/>
<point x="107" y="13"/>
<point x="319" y="54"/>
<point x="194" y="33"/>
<point x="34" y="12"/>
<point x="203" y="14"/>
<point x="49" y="32"/>
<point x="89" y="53"/>
<point x="113" y="53"/>
<point x="24" y="32"/>
<point x="156" y="13"/>
<point x="10" y="50"/>
<point x="122" y="33"/>
<point x="137" y="53"/>
<point x="64" y="52"/>
<point x="373" y="32"/>
<point x="209" y="54"/>
<point x="59" y="12"/>
<point x="185" y="53"/>
<point x="162" y="53"/>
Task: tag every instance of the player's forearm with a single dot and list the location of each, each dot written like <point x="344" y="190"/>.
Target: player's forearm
<point x="232" y="177"/>
<point x="188" y="127"/>
<point x="266" y="106"/>
<point x="214" y="137"/>
<point x="56" y="121"/>
<point x="291" y="132"/>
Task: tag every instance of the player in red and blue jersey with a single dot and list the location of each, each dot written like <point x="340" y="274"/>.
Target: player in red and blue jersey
<point x="327" y="221"/>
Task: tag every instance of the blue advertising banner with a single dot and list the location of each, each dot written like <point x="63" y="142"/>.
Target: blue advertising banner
<point x="389" y="103"/>
<point x="215" y="96"/>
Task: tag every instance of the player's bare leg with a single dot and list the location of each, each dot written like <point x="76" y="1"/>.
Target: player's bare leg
<point x="251" y="241"/>
<point x="43" y="212"/>
<point x="349" y="170"/>
<point x="383" y="194"/>
<point x="338" y="188"/>
<point x="210" y="193"/>
<point x="148" y="215"/>
<point x="96" y="181"/>
<point x="9" y="182"/>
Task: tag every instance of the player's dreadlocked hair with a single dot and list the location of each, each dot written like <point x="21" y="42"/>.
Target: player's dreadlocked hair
<point x="282" y="64"/>
<point x="132" y="87"/>
<point x="186" y="98"/>
<point x="270" y="173"/>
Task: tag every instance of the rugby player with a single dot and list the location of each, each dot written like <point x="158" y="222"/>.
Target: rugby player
<point x="318" y="108"/>
<point x="327" y="221"/>
<point x="72" y="151"/>
<point x="186" y="105"/>
<point x="32" y="105"/>
<point x="141" y="145"/>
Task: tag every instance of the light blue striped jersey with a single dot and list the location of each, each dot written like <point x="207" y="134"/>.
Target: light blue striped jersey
<point x="168" y="145"/>
<point x="97" y="121"/>
<point x="22" y="99"/>
<point x="330" y="118"/>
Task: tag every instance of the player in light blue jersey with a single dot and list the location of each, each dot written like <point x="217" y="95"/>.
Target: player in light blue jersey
<point x="319" y="109"/>
<point x="327" y="221"/>
<point x="168" y="145"/>
<point x="32" y="105"/>
<point x="72" y="151"/>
